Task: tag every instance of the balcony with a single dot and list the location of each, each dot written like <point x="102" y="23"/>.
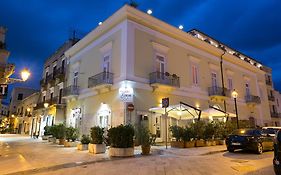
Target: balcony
<point x="268" y="82"/>
<point x="39" y="105"/>
<point x="104" y="79"/>
<point x="71" y="91"/>
<point x="252" y="100"/>
<point x="271" y="98"/>
<point x="60" y="73"/>
<point x="51" y="79"/>
<point x="275" y="115"/>
<point x="218" y="93"/>
<point x="164" y="80"/>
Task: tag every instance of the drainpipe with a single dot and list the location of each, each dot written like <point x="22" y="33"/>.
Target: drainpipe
<point x="222" y="79"/>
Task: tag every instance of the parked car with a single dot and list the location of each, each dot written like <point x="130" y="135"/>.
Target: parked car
<point x="277" y="154"/>
<point x="271" y="130"/>
<point x="249" y="139"/>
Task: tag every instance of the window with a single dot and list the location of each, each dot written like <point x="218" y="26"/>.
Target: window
<point x="229" y="82"/>
<point x="247" y="89"/>
<point x="214" y="79"/>
<point x="20" y="96"/>
<point x="75" y="79"/>
<point x="274" y="109"/>
<point x="44" y="98"/>
<point x="194" y="75"/>
<point x="160" y="64"/>
<point x="277" y="101"/>
<point x="60" y="95"/>
<point x="62" y="65"/>
<point x="106" y="63"/>
<point x="54" y="70"/>
<point x="52" y="94"/>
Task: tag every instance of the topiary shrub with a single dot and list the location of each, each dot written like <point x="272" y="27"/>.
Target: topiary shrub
<point x="198" y="129"/>
<point x="71" y="133"/>
<point x="209" y="131"/>
<point x="85" y="139"/>
<point x="121" y="136"/>
<point x="177" y="132"/>
<point x="188" y="134"/>
<point x="97" y="135"/>
<point x="144" y="136"/>
<point x="47" y="130"/>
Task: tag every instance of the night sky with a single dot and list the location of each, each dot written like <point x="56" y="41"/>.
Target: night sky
<point x="36" y="28"/>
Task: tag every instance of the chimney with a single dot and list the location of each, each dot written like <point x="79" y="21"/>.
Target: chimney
<point x="2" y="34"/>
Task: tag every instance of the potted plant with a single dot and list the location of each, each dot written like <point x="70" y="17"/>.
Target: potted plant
<point x="220" y="133"/>
<point x="121" y="139"/>
<point x="47" y="133"/>
<point x="53" y="132"/>
<point x="209" y="132"/>
<point x="71" y="134"/>
<point x="177" y="133"/>
<point x="198" y="129"/>
<point x="85" y="140"/>
<point x="145" y="140"/>
<point x="188" y="138"/>
<point x="60" y="133"/>
<point x="97" y="145"/>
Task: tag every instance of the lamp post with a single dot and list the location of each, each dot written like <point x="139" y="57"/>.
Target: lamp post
<point x="234" y="94"/>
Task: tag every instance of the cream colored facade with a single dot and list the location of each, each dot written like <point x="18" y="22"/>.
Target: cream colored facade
<point x="26" y="115"/>
<point x="117" y="63"/>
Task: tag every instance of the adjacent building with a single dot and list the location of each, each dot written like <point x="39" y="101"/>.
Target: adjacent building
<point x="121" y="70"/>
<point x="26" y="116"/>
<point x="16" y="113"/>
<point x="50" y="108"/>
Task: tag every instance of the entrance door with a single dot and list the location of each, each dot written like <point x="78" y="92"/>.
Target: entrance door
<point x="103" y="121"/>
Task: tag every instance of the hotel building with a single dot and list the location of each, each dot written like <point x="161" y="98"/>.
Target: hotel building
<point x="122" y="69"/>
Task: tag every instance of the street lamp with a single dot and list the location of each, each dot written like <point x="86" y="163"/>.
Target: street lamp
<point x="46" y="105"/>
<point x="25" y="74"/>
<point x="234" y="94"/>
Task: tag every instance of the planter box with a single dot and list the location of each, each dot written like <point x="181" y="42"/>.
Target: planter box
<point x="61" y="141"/>
<point x="189" y="144"/>
<point x="45" y="137"/>
<point x="97" y="148"/>
<point x="121" y="152"/>
<point x="145" y="150"/>
<point x="82" y="147"/>
<point x="52" y="139"/>
<point x="221" y="142"/>
<point x="70" y="144"/>
<point x="200" y="143"/>
<point x="210" y="143"/>
<point x="177" y="144"/>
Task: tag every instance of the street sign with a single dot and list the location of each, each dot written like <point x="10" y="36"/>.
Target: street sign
<point x="3" y="91"/>
<point x="130" y="107"/>
<point x="165" y="102"/>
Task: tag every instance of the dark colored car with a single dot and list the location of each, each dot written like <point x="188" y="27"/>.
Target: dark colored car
<point x="249" y="139"/>
<point x="277" y="154"/>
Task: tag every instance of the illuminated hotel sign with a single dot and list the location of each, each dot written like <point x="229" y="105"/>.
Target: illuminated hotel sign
<point x="126" y="94"/>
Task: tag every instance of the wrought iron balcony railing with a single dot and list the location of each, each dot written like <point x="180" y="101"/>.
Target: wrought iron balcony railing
<point x="268" y="82"/>
<point x="271" y="98"/>
<point x="275" y="115"/>
<point x="252" y="99"/>
<point x="100" y="79"/>
<point x="218" y="91"/>
<point x="59" y="72"/>
<point x="71" y="91"/>
<point x="164" y="78"/>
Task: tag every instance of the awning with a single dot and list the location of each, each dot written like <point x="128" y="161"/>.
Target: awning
<point x="181" y="111"/>
<point x="215" y="113"/>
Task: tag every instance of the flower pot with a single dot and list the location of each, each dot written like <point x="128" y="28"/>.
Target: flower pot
<point x="200" y="143"/>
<point x="61" y="141"/>
<point x="121" y="152"/>
<point x="97" y="148"/>
<point x="189" y="144"/>
<point x="82" y="147"/>
<point x="145" y="150"/>
<point x="177" y="144"/>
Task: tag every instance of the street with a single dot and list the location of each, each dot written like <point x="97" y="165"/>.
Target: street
<point x="23" y="155"/>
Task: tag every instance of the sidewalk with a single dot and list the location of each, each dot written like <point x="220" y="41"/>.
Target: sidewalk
<point x="196" y="151"/>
